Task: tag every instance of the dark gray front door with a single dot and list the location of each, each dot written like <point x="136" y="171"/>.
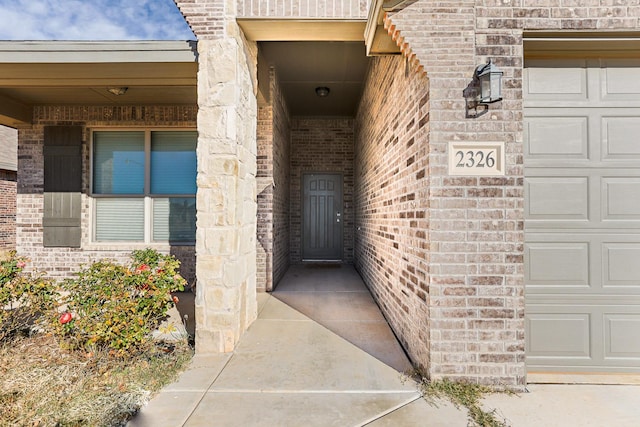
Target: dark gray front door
<point x="322" y="217"/>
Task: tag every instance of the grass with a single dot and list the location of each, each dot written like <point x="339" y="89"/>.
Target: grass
<point x="41" y="385"/>
<point x="467" y="395"/>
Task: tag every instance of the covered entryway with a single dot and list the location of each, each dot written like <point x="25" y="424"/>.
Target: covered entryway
<point x="306" y="149"/>
<point x="582" y="207"/>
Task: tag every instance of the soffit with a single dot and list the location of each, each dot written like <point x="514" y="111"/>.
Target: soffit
<point x="79" y="73"/>
<point x="260" y="29"/>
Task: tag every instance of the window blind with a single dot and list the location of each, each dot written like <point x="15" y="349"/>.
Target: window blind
<point x="119" y="219"/>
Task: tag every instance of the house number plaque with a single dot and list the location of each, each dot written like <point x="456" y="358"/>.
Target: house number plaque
<point x="476" y="158"/>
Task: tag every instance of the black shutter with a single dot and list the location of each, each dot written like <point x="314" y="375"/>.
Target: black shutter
<point x="62" y="186"/>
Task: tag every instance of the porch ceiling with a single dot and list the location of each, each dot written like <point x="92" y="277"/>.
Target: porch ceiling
<point x="79" y="73"/>
<point x="303" y="66"/>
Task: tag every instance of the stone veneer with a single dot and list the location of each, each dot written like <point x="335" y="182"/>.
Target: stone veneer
<point x="226" y="200"/>
<point x="321" y="145"/>
<point x="60" y="263"/>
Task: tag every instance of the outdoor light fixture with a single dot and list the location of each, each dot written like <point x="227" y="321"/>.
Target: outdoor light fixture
<point x="117" y="91"/>
<point x="322" y="91"/>
<point x="490" y="78"/>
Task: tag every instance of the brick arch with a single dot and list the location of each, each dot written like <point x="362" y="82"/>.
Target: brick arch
<point x="404" y="46"/>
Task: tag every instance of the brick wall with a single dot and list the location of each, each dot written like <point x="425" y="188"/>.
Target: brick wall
<point x="391" y="184"/>
<point x="7" y="209"/>
<point x="61" y="262"/>
<point x="264" y="178"/>
<point x="321" y="145"/>
<point x="206" y="18"/>
<point x="339" y="9"/>
<point x="476" y="223"/>
<point x="281" y="179"/>
<point x="273" y="182"/>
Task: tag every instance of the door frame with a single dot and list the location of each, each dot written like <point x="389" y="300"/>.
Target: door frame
<point x="302" y="222"/>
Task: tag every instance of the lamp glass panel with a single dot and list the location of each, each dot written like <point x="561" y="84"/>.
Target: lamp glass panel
<point x="495" y="91"/>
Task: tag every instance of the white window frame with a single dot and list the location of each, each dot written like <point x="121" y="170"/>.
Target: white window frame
<point x="148" y="199"/>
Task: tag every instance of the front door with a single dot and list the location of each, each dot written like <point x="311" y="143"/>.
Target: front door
<point x="322" y="217"/>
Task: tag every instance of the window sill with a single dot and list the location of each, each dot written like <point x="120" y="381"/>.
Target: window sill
<point x="131" y="246"/>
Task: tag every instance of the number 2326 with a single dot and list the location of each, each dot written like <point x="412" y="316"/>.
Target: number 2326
<point x="475" y="158"/>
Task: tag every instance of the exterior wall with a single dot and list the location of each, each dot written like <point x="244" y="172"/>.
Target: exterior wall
<point x="8" y="188"/>
<point x="273" y="187"/>
<point x="391" y="185"/>
<point x="321" y="145"/>
<point x="338" y="9"/>
<point x="60" y="263"/>
<point x="476" y="223"/>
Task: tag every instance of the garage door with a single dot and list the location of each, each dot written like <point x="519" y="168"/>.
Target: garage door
<point x="582" y="214"/>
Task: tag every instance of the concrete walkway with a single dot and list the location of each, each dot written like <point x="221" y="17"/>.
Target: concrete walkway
<point x="321" y="354"/>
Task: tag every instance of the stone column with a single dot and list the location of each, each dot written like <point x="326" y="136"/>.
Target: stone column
<point x="226" y="196"/>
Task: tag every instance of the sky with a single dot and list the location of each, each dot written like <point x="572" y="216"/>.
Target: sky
<point x="92" y="20"/>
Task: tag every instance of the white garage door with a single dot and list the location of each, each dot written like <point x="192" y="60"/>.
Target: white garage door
<point x="582" y="214"/>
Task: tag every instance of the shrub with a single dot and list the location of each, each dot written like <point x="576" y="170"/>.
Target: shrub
<point x="24" y="298"/>
<point x="116" y="307"/>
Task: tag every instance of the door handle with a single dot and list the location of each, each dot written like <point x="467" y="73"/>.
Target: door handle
<point x="337" y="217"/>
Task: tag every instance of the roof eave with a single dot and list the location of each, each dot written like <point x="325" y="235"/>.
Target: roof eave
<point x="28" y="52"/>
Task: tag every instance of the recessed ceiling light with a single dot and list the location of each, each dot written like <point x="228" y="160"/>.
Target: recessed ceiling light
<point x="322" y="91"/>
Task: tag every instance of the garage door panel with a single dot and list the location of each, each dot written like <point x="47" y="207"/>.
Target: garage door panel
<point x="582" y="265"/>
<point x="622" y="336"/>
<point x="620" y="138"/>
<point x="621" y="198"/>
<point x="567" y="80"/>
<point x="589" y="336"/>
<point x="557" y="137"/>
<point x="559" y="335"/>
<point x="620" y="79"/>
<point x="557" y="198"/>
<point x="557" y="265"/>
<point x="621" y="262"/>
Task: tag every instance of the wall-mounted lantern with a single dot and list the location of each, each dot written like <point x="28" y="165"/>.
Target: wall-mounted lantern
<point x="490" y="78"/>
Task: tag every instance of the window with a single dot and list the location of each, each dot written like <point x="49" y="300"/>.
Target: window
<point x="144" y="186"/>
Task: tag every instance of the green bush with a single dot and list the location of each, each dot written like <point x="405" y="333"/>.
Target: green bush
<point x="24" y="298"/>
<point x="116" y="307"/>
